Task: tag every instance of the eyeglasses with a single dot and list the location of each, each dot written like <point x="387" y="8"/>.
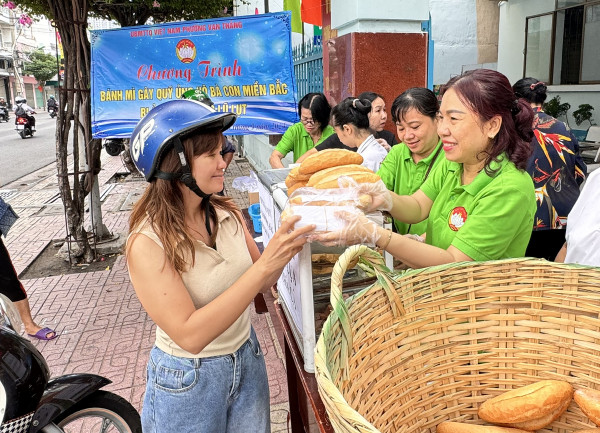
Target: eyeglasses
<point x="307" y="121"/>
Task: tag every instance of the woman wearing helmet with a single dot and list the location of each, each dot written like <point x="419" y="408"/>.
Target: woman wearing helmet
<point x="196" y="269"/>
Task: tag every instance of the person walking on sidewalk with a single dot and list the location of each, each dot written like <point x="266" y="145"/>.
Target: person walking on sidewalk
<point x="10" y="286"/>
<point x="195" y="269"/>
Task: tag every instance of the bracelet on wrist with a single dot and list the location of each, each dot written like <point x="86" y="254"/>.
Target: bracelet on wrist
<point x="389" y="239"/>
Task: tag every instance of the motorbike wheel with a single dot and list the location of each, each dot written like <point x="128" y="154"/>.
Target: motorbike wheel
<point x="22" y="134"/>
<point x="101" y="411"/>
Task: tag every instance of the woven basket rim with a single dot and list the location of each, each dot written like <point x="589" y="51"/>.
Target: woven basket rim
<point x="322" y="372"/>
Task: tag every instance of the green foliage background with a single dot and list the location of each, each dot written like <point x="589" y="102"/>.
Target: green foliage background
<point x="42" y="66"/>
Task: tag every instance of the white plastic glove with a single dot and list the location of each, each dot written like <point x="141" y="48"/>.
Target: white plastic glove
<point x="383" y="143"/>
<point x="374" y="196"/>
<point x="357" y="229"/>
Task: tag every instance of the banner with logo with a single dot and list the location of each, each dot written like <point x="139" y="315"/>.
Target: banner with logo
<point x="244" y="64"/>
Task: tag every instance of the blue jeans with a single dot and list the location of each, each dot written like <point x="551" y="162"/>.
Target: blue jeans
<point x="219" y="394"/>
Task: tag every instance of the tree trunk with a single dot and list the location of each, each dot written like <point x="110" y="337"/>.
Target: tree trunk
<point x="70" y="17"/>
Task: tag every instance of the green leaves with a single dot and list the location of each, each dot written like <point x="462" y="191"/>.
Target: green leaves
<point x="42" y="66"/>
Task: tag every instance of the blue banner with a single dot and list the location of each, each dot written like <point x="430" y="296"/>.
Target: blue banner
<point x="244" y="64"/>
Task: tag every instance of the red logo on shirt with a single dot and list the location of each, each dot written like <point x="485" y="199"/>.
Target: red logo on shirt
<point x="457" y="219"/>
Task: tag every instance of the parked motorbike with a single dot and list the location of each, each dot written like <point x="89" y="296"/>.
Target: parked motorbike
<point x="4" y="116"/>
<point x="120" y="146"/>
<point x="23" y="127"/>
<point x="52" y="112"/>
<point x="32" y="402"/>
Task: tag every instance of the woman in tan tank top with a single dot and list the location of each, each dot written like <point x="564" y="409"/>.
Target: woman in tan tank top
<point x="195" y="268"/>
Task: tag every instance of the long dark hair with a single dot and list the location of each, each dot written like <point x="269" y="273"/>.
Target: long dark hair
<point x="421" y="99"/>
<point x="318" y="106"/>
<point x="352" y="111"/>
<point x="488" y="93"/>
<point x="531" y="89"/>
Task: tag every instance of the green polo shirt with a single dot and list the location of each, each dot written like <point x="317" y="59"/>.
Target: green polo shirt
<point x="489" y="219"/>
<point x="296" y="139"/>
<point x="401" y="175"/>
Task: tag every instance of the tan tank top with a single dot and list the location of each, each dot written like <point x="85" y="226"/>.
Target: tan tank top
<point x="214" y="272"/>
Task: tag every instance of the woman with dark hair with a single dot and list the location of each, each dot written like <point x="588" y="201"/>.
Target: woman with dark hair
<point x="557" y="170"/>
<point x="411" y="162"/>
<point x="377" y="119"/>
<point x="312" y="129"/>
<point x="481" y="203"/>
<point x="350" y="120"/>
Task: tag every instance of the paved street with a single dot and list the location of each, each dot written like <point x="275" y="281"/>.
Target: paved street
<point x="101" y="325"/>
<point x="23" y="156"/>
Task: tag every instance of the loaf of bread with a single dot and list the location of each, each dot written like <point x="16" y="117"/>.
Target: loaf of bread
<point x="294" y="176"/>
<point x="360" y="177"/>
<point x="339" y="170"/>
<point x="530" y="407"/>
<point x="588" y="401"/>
<point x="328" y="158"/>
<point x="323" y="263"/>
<point x="588" y="430"/>
<point x="294" y="187"/>
<point x="462" y="427"/>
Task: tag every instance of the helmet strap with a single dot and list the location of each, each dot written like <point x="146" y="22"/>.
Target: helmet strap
<point x="185" y="177"/>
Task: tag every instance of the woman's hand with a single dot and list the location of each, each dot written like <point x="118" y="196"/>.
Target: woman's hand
<point x="358" y="230"/>
<point x="383" y="144"/>
<point x="374" y="196"/>
<point x="285" y="244"/>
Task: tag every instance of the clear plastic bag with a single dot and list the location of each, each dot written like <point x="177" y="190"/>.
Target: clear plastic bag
<point x="337" y="214"/>
<point x="245" y="183"/>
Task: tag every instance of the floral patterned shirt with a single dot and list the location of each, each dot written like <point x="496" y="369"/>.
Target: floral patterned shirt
<point x="557" y="171"/>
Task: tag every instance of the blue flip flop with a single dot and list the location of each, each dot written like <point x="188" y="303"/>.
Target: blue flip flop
<point x="42" y="334"/>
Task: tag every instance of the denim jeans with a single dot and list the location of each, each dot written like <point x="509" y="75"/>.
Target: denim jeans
<point x="219" y="394"/>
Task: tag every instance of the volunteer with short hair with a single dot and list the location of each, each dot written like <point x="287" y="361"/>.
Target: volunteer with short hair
<point x="419" y="154"/>
<point x="481" y="204"/>
<point x="312" y="129"/>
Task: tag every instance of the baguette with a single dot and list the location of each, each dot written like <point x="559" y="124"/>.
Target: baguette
<point x="328" y="158"/>
<point x="530" y="407"/>
<point x="588" y="401"/>
<point x="359" y="177"/>
<point x="339" y="170"/>
<point x="294" y="187"/>
<point x="588" y="430"/>
<point x="294" y="176"/>
<point x="461" y="427"/>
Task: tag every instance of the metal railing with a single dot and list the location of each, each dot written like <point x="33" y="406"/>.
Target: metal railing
<point x="308" y="68"/>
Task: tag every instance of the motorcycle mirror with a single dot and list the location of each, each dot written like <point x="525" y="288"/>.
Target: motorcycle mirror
<point x="9" y="316"/>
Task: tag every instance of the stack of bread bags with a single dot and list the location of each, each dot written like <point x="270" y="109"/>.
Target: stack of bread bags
<point x="325" y="183"/>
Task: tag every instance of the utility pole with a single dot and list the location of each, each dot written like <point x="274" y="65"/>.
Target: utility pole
<point x="19" y="86"/>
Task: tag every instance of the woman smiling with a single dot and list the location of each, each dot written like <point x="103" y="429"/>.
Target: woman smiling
<point x="411" y="162"/>
<point x="481" y="204"/>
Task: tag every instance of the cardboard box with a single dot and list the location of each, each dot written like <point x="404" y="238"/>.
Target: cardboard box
<point x="252" y="197"/>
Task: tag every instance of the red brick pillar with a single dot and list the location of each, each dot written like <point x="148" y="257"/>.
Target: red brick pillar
<point x="383" y="62"/>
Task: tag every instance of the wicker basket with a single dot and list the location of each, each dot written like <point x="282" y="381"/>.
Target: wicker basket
<point x="431" y="345"/>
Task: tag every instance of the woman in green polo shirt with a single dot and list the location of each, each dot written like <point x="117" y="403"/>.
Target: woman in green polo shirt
<point x="312" y="129"/>
<point x="481" y="203"/>
<point x="419" y="154"/>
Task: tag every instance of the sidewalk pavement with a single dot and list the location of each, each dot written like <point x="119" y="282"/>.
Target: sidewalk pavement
<point x="101" y="325"/>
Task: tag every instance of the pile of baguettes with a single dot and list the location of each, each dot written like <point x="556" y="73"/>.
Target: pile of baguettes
<point x="323" y="169"/>
<point x="530" y="408"/>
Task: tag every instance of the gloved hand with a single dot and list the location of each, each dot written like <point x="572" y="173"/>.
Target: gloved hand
<point x="374" y="196"/>
<point x="383" y="143"/>
<point x="358" y="229"/>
